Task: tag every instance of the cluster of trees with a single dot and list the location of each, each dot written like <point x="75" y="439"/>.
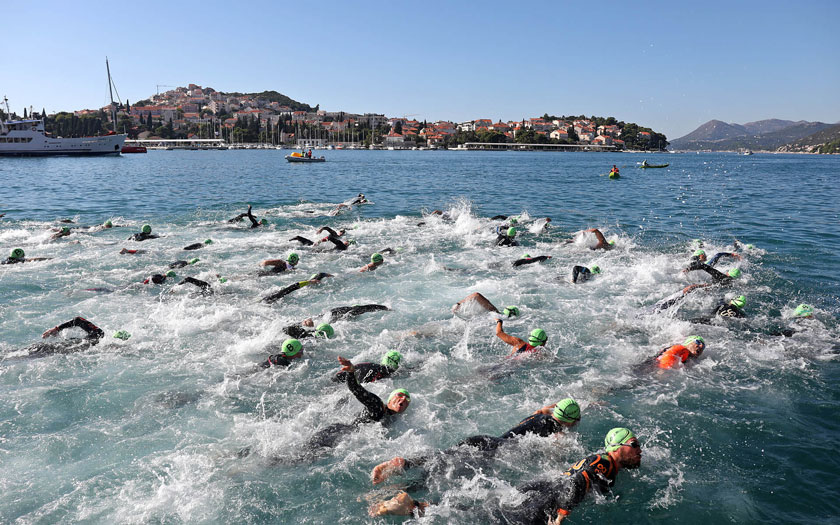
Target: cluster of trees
<point x="830" y="147"/>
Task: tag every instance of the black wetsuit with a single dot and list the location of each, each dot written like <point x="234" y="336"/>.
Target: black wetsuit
<point x="302" y="240"/>
<point x="274" y="269"/>
<point x="352" y="311"/>
<point x="276" y="360"/>
<point x="178" y="264"/>
<point x="254" y="222"/>
<point x="365" y="373"/>
<point x="716" y="275"/>
<point x="504" y="240"/>
<point x="94" y="334"/>
<point x="374" y="411"/>
<point x="10" y="260"/>
<point x="276" y="296"/>
<point x="204" y="286"/>
<point x="157" y="278"/>
<point x="714" y="260"/>
<point x="142" y="237"/>
<point x="195" y="246"/>
<point x="531" y="260"/>
<point x="580" y="274"/>
<point x="726" y="309"/>
<point x="544" y="498"/>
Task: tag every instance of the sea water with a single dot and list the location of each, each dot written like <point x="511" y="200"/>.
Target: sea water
<point x="150" y="430"/>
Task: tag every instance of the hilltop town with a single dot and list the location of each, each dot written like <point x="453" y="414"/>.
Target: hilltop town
<point x="272" y="118"/>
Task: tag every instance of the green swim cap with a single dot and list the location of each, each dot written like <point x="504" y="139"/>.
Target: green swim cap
<point x="324" y="330"/>
<point x="171" y="274"/>
<point x="376" y="258"/>
<point x="693" y="338"/>
<point x="293" y="258"/>
<point x="511" y="232"/>
<point x="392" y="359"/>
<point x="698" y="242"/>
<point x="65" y="229"/>
<point x="537" y="337"/>
<point x="611" y="243"/>
<point x="595" y="268"/>
<point x="512" y="220"/>
<point x="121" y="334"/>
<point x="146" y="229"/>
<point x="290" y="347"/>
<point x="750" y="247"/>
<point x="193" y="260"/>
<point x="617" y="437"/>
<point x="17" y="253"/>
<point x="698" y="253"/>
<point x="526" y="256"/>
<point x="399" y="391"/>
<point x="222" y="279"/>
<point x="734" y="273"/>
<point x="803" y="310"/>
<point x="739" y="302"/>
<point x="108" y="224"/>
<point x="208" y="241"/>
<point x="511" y="311"/>
<point x="567" y="411"/>
<point x="351" y="241"/>
<point x="263" y="221"/>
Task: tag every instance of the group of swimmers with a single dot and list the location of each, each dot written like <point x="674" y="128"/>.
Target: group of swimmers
<point x="544" y="501"/>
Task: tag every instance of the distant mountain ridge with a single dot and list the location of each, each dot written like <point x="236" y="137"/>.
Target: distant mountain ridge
<point x="769" y="134"/>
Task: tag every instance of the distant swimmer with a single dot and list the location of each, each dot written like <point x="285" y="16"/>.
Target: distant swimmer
<point x="181" y="264"/>
<point x="527" y="259"/>
<point x="370" y="372"/>
<point x="477" y="303"/>
<point x="92" y="337"/>
<point x="145" y="234"/>
<point x="717" y="276"/>
<point x="276" y="296"/>
<point x="675" y="355"/>
<point x="203" y="286"/>
<point x="376" y="261"/>
<point x="126" y="251"/>
<point x="290" y="350"/>
<point x="308" y="325"/>
<point x="672" y="300"/>
<point x="536" y="340"/>
<point x="582" y="274"/>
<point x="160" y="278"/>
<point x="375" y="411"/>
<point x="64" y="231"/>
<point x="19" y="256"/>
<point x="301" y="331"/>
<point x="801" y="315"/>
<point x="603" y="243"/>
<point x="547" y="421"/>
<point x="199" y="245"/>
<point x="699" y="256"/>
<point x="280" y="265"/>
<point x="506" y="237"/>
<point x="545" y="501"/>
<point x="333" y="236"/>
<point x="254" y="222"/>
<point x="355" y="201"/>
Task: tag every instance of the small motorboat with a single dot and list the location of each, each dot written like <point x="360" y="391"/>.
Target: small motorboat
<point x="645" y="166"/>
<point x="133" y="149"/>
<point x="297" y="157"/>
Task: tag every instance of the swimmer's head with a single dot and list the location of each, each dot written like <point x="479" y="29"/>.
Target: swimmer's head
<point x="595" y="268"/>
<point x="567" y="411"/>
<point x="750" y="247"/>
<point x="208" y="241"/>
<point x="108" y="224"/>
<point x="147" y="229"/>
<point x="121" y="334"/>
<point x="803" y="310"/>
<point x="65" y="229"/>
<point x="526" y="256"/>
<point x="351" y="241"/>
<point x="293" y="258"/>
<point x="324" y="330"/>
<point x="696" y="343"/>
<point x="739" y="302"/>
<point x="17" y="254"/>
<point x="392" y="359"/>
<point x="511" y="232"/>
<point x="510" y="311"/>
<point x="376" y="258"/>
<point x="611" y="242"/>
<point x="734" y="273"/>
<point x="399" y="400"/>
<point x="538" y="337"/>
<point x="193" y="260"/>
<point x="263" y="221"/>
<point x="617" y="437"/>
<point x="171" y="274"/>
<point x="700" y="254"/>
<point x="513" y="220"/>
<point x="291" y="347"/>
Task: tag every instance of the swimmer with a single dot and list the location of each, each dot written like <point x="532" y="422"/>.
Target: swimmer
<point x="160" y="278"/>
<point x="203" y="286"/>
<point x="254" y="222"/>
<point x="145" y="234"/>
<point x="674" y="355"/>
<point x="376" y="261"/>
<point x="181" y="264"/>
<point x="477" y="301"/>
<point x="63" y="232"/>
<point x="801" y="315"/>
<point x="339" y="244"/>
<point x="280" y="265"/>
<point x="355" y="201"/>
<point x="527" y="259"/>
<point x="199" y="245"/>
<point x="547" y="421"/>
<point x="307" y="325"/>
<point x="107" y="225"/>
<point x="374" y="410"/>
<point x="546" y="501"/>
<point x="302" y="330"/>
<point x="370" y="372"/>
<point x="582" y="274"/>
<point x="536" y="340"/>
<point x="276" y="296"/>
<point x="19" y="256"/>
<point x="290" y="350"/>
<point x="717" y="276"/>
<point x="699" y="256"/>
<point x="506" y="238"/>
<point x="92" y="337"/>
<point x="603" y="243"/>
<point x="726" y="309"/>
<point x="670" y="301"/>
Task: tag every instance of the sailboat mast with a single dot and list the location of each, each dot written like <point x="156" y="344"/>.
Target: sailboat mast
<point x="111" y="92"/>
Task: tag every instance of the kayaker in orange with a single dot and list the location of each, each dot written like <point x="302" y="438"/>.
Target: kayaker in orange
<point x="614" y="170"/>
<point x="675" y="354"/>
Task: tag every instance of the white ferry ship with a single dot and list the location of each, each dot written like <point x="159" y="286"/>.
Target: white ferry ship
<point x="27" y="138"/>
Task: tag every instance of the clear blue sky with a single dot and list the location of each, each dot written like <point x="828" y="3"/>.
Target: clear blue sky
<point x="668" y="65"/>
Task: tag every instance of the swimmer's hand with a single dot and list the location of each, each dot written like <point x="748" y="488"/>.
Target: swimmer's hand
<point x="400" y="505"/>
<point x="51" y="332"/>
<point x="346" y="365"/>
<point x="385" y="470"/>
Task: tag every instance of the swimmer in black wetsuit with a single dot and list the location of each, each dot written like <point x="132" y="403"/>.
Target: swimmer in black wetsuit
<point x="527" y="259"/>
<point x="801" y="316"/>
<point x="276" y="296"/>
<point x="290" y="350"/>
<point x="726" y="309"/>
<point x="374" y="410"/>
<point x="699" y="256"/>
<point x="670" y="301"/>
<point x="547" y="421"/>
<point x="546" y="501"/>
<point x="63" y="232"/>
<point x="145" y="234"/>
<point x="355" y="201"/>
<point x="19" y="256"/>
<point x="92" y="337"/>
<point x="506" y="238"/>
<point x="305" y="328"/>
<point x="280" y="265"/>
<point x="203" y="286"/>
<point x="370" y="372"/>
<point x="199" y="245"/>
<point x="717" y="276"/>
<point x="582" y="274"/>
<point x="333" y="237"/>
<point x="181" y="264"/>
<point x="254" y="222"/>
<point x="160" y="278"/>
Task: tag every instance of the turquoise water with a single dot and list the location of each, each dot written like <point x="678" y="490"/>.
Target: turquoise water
<point x="148" y="430"/>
